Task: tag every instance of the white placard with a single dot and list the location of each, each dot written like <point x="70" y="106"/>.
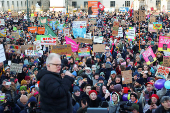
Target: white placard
<point x="16" y="67"/>
<point x="98" y="39"/>
<point x="2" y="22"/>
<point x="120" y="32"/>
<point x="87" y="36"/>
<point x="2" y="53"/>
<point x="38" y="45"/>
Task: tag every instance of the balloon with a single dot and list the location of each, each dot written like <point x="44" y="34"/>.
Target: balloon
<point x="128" y="97"/>
<point x="125" y="97"/>
<point x="159" y="84"/>
<point x="167" y="84"/>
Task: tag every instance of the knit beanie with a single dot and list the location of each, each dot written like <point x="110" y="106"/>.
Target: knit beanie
<point x="75" y="89"/>
<point x="23" y="88"/>
<point x="23" y="82"/>
<point x="32" y="99"/>
<point x="92" y="91"/>
<point x="156" y="96"/>
<point x="135" y="106"/>
<point x="118" y="87"/>
<point x="27" y="78"/>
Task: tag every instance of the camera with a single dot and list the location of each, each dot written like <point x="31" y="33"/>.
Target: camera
<point x="125" y="107"/>
<point x="33" y="108"/>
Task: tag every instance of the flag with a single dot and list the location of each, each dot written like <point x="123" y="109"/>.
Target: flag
<point x="49" y="31"/>
<point x="100" y="6"/>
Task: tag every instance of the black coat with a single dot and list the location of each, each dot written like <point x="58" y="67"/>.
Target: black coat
<point x="54" y="92"/>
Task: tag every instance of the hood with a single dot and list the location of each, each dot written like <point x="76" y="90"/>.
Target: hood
<point x="43" y="72"/>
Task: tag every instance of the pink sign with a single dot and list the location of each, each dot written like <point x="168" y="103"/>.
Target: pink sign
<point x="149" y="56"/>
<point x="74" y="45"/>
<point x="164" y="43"/>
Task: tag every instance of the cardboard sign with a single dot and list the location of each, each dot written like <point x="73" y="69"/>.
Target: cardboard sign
<point x="93" y="21"/>
<point x="149" y="56"/>
<point x="150" y="28"/>
<point x="2" y="22"/>
<point x="139" y="15"/>
<point x="166" y="61"/>
<point x="98" y="39"/>
<point x="27" y="47"/>
<point x="2" y="53"/>
<point x="84" y="52"/>
<point x="15" y="35"/>
<point x="32" y="29"/>
<point x="38" y="45"/>
<point x="152" y="19"/>
<point x="41" y="30"/>
<point x="13" y="49"/>
<point x="14" y="14"/>
<point x="98" y="47"/>
<point x="164" y="43"/>
<point x="115" y="28"/>
<point x="62" y="49"/>
<point x="16" y="67"/>
<point x="82" y="40"/>
<point x="126" y="76"/>
<point x="48" y="41"/>
<point x="130" y="34"/>
<point x="162" y="72"/>
<point x="67" y="32"/>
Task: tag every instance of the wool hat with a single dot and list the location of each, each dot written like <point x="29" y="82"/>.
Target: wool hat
<point x="74" y="73"/>
<point x="75" y="89"/>
<point x="32" y="99"/>
<point x="24" y="66"/>
<point x="23" y="88"/>
<point x="113" y="72"/>
<point x="35" y="69"/>
<point x="134" y="94"/>
<point x="92" y="91"/>
<point x="135" y="106"/>
<point x="101" y="78"/>
<point x="118" y="87"/>
<point x="23" y="82"/>
<point x="136" y="73"/>
<point x="7" y="68"/>
<point x="27" y="78"/>
<point x="156" y="96"/>
<point x="140" y="81"/>
<point x="32" y="87"/>
<point x="79" y="78"/>
<point x="149" y="83"/>
<point x="102" y="73"/>
<point x="151" y="78"/>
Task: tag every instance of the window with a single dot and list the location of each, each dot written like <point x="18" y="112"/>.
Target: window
<point x="13" y="3"/>
<point x="25" y="3"/>
<point x="158" y="4"/>
<point x="32" y="2"/>
<point x="127" y="3"/>
<point x="29" y="3"/>
<point x="112" y="3"/>
<point x="74" y="4"/>
<point x="8" y="4"/>
<point x="21" y="3"/>
<point x="2" y="3"/>
<point x="85" y="4"/>
<point x="17" y="3"/>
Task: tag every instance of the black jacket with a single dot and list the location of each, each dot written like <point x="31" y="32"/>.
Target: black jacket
<point x="161" y="109"/>
<point x="54" y="92"/>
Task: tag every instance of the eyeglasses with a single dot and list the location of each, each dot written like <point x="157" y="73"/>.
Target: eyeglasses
<point x="57" y="65"/>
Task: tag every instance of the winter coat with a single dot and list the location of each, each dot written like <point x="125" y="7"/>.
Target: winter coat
<point x="54" y="92"/>
<point x="94" y="103"/>
<point x="18" y="96"/>
<point x="146" y="109"/>
<point x="19" y="103"/>
<point x="15" y="109"/>
<point x="161" y="109"/>
<point x="113" y="108"/>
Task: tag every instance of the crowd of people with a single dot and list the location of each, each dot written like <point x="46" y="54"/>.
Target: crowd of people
<point x="54" y="83"/>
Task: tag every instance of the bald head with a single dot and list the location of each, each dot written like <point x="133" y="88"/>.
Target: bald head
<point x="24" y="99"/>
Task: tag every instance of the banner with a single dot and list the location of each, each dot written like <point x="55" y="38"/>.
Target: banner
<point x="166" y="61"/>
<point x="130" y="34"/>
<point x="74" y="45"/>
<point x="43" y="20"/>
<point x="2" y="22"/>
<point x="14" y="67"/>
<point x="41" y="30"/>
<point x="84" y="52"/>
<point x="98" y="39"/>
<point x="49" y="31"/>
<point x="93" y="8"/>
<point x="157" y="25"/>
<point x="162" y="72"/>
<point x="100" y="6"/>
<point x="32" y="29"/>
<point x="13" y="49"/>
<point x="2" y="53"/>
<point x="48" y="41"/>
<point x="79" y="28"/>
<point x="149" y="56"/>
<point x="38" y="37"/>
<point x="126" y="77"/>
<point x="150" y="28"/>
<point x="83" y="40"/>
<point x="164" y="43"/>
<point x="98" y="47"/>
<point x="62" y="49"/>
<point x="2" y="32"/>
<point x="120" y="32"/>
<point x="33" y="53"/>
<point x="15" y="35"/>
<point x="67" y="32"/>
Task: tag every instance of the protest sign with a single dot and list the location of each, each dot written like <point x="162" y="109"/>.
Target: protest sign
<point x="15" y="35"/>
<point x="79" y="28"/>
<point x="115" y="28"/>
<point x="92" y="8"/>
<point x="87" y="36"/>
<point x="48" y="41"/>
<point x="27" y="47"/>
<point x="13" y="49"/>
<point x="2" y="53"/>
<point x="62" y="49"/>
<point x="93" y="21"/>
<point x="14" y="14"/>
<point x="2" y="97"/>
<point x="120" y="32"/>
<point x="38" y="37"/>
<point x="83" y="40"/>
<point x="83" y="52"/>
<point x="41" y="30"/>
<point x="149" y="56"/>
<point x="98" y="39"/>
<point x="152" y="19"/>
<point x="150" y="28"/>
<point x="162" y="72"/>
<point x="2" y="32"/>
<point x="32" y="29"/>
<point x="166" y="53"/>
<point x="38" y="45"/>
<point x="164" y="43"/>
<point x="67" y="32"/>
<point x="126" y="77"/>
<point x="157" y="25"/>
<point x="33" y="53"/>
<point x="43" y="20"/>
<point x="74" y="45"/>
<point x="16" y="67"/>
<point x="130" y="34"/>
<point x="98" y="47"/>
<point x="166" y="61"/>
<point x="2" y="22"/>
<point x="139" y="15"/>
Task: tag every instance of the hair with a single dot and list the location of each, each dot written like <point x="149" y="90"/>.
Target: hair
<point x="51" y="56"/>
<point x="165" y="98"/>
<point x="87" y="85"/>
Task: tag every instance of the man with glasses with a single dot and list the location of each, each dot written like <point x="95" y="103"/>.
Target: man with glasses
<point x="54" y="90"/>
<point x="165" y="105"/>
